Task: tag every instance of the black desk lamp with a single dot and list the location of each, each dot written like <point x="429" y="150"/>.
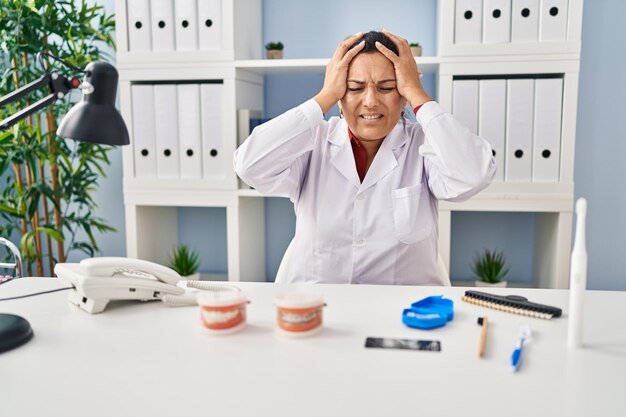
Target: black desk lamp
<point x="94" y="119"/>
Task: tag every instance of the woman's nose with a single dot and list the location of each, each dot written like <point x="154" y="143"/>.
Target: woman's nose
<point x="370" y="97"/>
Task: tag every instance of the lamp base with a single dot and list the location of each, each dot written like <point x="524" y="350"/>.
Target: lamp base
<point x="14" y="331"/>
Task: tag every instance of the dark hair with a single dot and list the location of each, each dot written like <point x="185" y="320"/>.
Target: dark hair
<point x="371" y="38"/>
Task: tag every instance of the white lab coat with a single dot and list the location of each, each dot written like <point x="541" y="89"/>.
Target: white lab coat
<point x="381" y="231"/>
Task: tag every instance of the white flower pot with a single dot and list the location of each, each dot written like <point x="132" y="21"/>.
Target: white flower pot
<point x="416" y="50"/>
<point x="192" y="277"/>
<point x="501" y="284"/>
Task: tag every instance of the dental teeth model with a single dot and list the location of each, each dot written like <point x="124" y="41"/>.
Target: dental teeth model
<point x="222" y="311"/>
<point x="298" y="314"/>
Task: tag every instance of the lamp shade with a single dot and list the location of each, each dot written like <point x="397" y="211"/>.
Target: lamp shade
<point x="95" y="119"/>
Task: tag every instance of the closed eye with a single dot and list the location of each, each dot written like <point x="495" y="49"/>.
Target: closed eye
<point x="355" y="89"/>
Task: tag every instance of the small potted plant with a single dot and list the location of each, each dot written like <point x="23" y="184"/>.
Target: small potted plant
<point x="490" y="268"/>
<point x="416" y="49"/>
<point x="186" y="262"/>
<point x="274" y="50"/>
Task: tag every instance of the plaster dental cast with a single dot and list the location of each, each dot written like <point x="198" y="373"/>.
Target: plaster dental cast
<point x="365" y="185"/>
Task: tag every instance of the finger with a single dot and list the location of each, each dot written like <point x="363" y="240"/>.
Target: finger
<point x="397" y="40"/>
<point x="391" y="35"/>
<point x="387" y="52"/>
<point x="346" y="44"/>
<point x="352" y="53"/>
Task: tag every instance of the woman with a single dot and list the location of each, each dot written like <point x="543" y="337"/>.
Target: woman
<point x="365" y="186"/>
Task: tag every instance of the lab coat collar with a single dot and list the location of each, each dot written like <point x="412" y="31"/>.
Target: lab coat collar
<point x="385" y="161"/>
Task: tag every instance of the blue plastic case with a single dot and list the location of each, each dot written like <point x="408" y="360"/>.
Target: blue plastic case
<point x="429" y="313"/>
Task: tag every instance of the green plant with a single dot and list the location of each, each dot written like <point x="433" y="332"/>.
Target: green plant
<point x="184" y="260"/>
<point x="274" y="46"/>
<point x="414" y="44"/>
<point x="47" y="182"/>
<point x="490" y="266"/>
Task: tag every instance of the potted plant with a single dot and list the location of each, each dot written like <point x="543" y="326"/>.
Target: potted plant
<point x="490" y="268"/>
<point x="186" y="262"/>
<point x="274" y="50"/>
<point x="48" y="182"/>
<point x="416" y="49"/>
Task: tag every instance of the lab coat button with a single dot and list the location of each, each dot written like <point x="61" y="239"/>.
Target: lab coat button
<point x="360" y="196"/>
<point x="360" y="241"/>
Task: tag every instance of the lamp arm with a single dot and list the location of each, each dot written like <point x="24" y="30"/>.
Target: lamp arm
<point x="44" y="102"/>
<point x="59" y="85"/>
<point x="23" y="91"/>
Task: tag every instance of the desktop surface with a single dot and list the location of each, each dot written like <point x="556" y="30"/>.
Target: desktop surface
<point x="147" y="359"/>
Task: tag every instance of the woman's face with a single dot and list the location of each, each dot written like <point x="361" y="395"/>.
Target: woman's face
<point x="372" y="105"/>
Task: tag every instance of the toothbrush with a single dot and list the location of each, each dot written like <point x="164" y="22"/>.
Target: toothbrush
<point x="578" y="278"/>
<point x="516" y="357"/>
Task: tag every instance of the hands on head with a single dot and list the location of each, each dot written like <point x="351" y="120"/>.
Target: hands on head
<point x="407" y="74"/>
<point x="336" y="77"/>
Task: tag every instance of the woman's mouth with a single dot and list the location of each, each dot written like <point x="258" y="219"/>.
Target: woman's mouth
<point x="372" y="117"/>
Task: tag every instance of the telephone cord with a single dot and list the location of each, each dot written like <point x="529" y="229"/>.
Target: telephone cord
<point x="191" y="298"/>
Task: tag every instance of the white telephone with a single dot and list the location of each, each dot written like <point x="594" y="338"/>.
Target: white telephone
<point x="97" y="281"/>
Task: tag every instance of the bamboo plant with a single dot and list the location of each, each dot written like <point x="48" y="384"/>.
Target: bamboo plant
<point x="47" y="182"/>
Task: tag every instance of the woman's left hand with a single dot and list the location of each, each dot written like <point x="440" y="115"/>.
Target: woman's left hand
<point x="407" y="75"/>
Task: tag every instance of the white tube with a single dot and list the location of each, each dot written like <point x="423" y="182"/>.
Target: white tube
<point x="578" y="279"/>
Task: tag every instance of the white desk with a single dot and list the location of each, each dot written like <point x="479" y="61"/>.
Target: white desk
<point x="146" y="359"/>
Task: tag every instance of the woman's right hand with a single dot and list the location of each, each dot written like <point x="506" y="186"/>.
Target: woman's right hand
<point x="336" y="77"/>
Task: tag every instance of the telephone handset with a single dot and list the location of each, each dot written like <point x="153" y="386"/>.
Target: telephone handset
<point x="97" y="281"/>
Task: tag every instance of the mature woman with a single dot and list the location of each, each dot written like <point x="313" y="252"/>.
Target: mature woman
<point x="365" y="186"/>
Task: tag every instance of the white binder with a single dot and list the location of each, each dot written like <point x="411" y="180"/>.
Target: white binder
<point x="496" y="21"/>
<point x="492" y="118"/>
<point x="519" y="130"/>
<point x="139" y="25"/>
<point x="465" y="103"/>
<point x="189" y="131"/>
<point x="525" y="21"/>
<point x="209" y="25"/>
<point x="144" y="141"/>
<point x="162" y="25"/>
<point x="166" y="124"/>
<point x="213" y="158"/>
<point x="547" y="129"/>
<point x="468" y="21"/>
<point x="553" y="21"/>
<point x="186" y="18"/>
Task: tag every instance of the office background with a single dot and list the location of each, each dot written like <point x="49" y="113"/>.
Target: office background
<point x="600" y="144"/>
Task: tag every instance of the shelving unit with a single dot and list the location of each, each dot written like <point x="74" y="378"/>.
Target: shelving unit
<point x="151" y="202"/>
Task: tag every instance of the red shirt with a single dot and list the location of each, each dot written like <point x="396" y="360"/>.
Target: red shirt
<point x="360" y="156"/>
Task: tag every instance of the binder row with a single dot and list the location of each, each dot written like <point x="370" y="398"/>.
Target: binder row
<point x="174" y="25"/>
<point x="177" y="131"/>
<point x="521" y="119"/>
<point x="515" y="21"/>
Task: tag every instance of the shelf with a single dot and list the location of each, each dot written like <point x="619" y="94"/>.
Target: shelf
<point x="207" y="60"/>
<point x="519" y="197"/>
<point x="426" y="64"/>
<point x="472" y="285"/>
<point x="213" y="276"/>
<point x="126" y="60"/>
<point x="179" y="197"/>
